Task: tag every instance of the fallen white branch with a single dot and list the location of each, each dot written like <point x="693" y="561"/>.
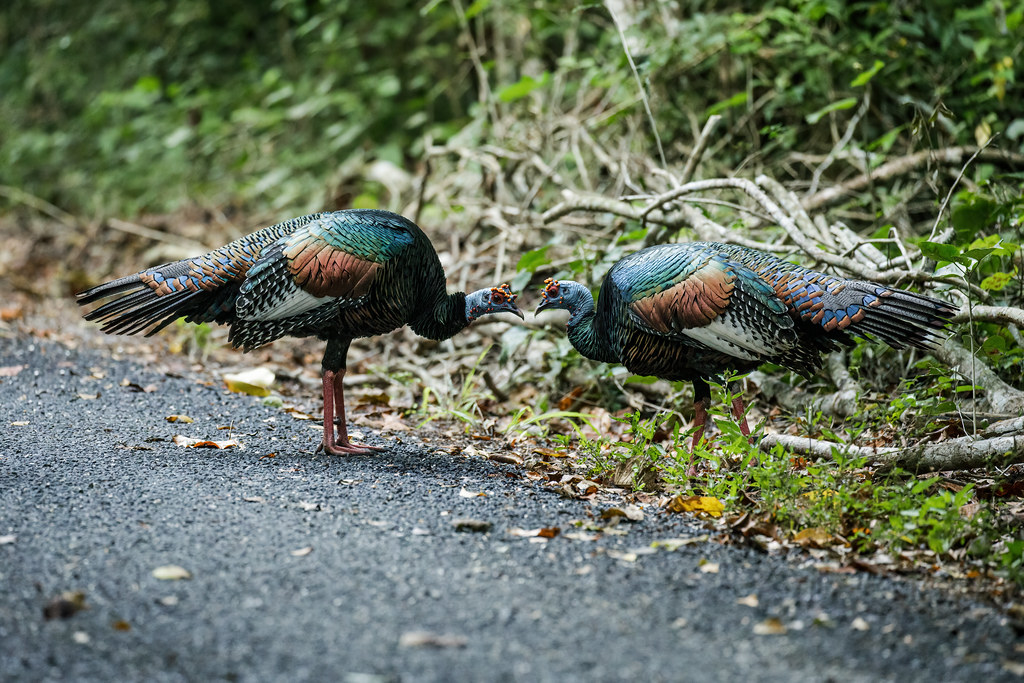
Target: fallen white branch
<point x="964" y="453"/>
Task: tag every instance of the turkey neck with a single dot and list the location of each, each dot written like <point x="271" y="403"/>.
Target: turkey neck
<point x="584" y="334"/>
<point x="442" y="320"/>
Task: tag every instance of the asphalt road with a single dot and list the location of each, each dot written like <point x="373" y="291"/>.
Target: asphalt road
<point x="350" y="569"/>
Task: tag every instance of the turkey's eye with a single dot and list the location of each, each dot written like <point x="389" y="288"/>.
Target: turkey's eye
<point x="497" y="296"/>
<point x="552" y="290"/>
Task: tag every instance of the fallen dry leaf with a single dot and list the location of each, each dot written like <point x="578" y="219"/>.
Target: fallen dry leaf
<point x="463" y="493"/>
<point x="189" y="442"/>
<point x="121" y="625"/>
<point x="749" y="600"/>
<point x="630" y="512"/>
<point x="179" y="418"/>
<point x="707" y="504"/>
<point x="428" y="639"/>
<point x="708" y="567"/>
<point x="171" y="572"/>
<point x="302" y="552"/>
<point x="65" y="605"/>
<point x="506" y="458"/>
<point x="539" y="532"/>
<point x="672" y="544"/>
<point x="309" y="507"/>
<point x="254" y="382"/>
<point x="392" y="422"/>
<point x="4" y="540"/>
<point x="772" y="626"/>
<point x="19" y="423"/>
<point x="88" y="397"/>
<point x="813" y="537"/>
<point x="859" y="624"/>
<point x="469" y="524"/>
<point x="620" y="555"/>
<point x="10" y="313"/>
<point x="11" y="370"/>
<point x="254" y="499"/>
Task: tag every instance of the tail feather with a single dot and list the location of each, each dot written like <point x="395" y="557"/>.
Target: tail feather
<point x="902" y="319"/>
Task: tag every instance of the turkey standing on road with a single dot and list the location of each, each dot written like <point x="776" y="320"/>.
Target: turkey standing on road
<point x="693" y="311"/>
<point x="335" y="276"/>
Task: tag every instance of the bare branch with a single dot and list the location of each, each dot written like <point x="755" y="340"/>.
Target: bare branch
<point x="901" y="166"/>
<point x="956" y="454"/>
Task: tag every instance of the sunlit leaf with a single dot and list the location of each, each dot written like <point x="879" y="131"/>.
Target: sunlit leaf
<point x="838" y="105"/>
<point x="706" y="504"/>
<point x="864" y="76"/>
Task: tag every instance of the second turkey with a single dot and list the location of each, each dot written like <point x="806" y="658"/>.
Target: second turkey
<point x="696" y="310"/>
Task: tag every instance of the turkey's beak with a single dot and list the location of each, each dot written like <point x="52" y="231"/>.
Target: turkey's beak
<point x="544" y="305"/>
<point x="515" y="309"/>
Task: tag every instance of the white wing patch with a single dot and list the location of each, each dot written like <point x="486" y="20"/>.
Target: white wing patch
<point x="282" y="301"/>
<point x="729" y="335"/>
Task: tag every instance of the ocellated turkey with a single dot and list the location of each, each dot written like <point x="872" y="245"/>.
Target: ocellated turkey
<point x="334" y="275"/>
<point x="693" y="311"/>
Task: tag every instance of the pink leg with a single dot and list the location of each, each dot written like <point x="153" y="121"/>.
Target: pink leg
<point x="701" y="401"/>
<point x="334" y="402"/>
<point x="738" y="412"/>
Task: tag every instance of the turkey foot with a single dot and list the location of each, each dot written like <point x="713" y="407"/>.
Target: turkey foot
<point x="334" y="401"/>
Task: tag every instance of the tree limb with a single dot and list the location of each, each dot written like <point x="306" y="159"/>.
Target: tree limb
<point x="965" y="453"/>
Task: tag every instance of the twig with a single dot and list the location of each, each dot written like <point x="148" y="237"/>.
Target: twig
<point x="639" y="84"/>
<point x="699" y="148"/>
<point x="157" y="236"/>
<point x="851" y="126"/>
<point x="959" y="177"/>
<point x="16" y="194"/>
<point x="949" y="155"/>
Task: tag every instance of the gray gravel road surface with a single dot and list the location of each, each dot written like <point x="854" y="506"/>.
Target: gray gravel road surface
<point x="306" y="567"/>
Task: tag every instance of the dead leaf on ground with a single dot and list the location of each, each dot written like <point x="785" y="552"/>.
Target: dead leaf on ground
<point x="135" y="386"/>
<point x="254" y="499"/>
<point x="772" y="626"/>
<point x="814" y="537"/>
<point x="4" y="540"/>
<point x="254" y="382"/>
<point x="11" y="370"/>
<point x="392" y="422"/>
<point x="631" y="512"/>
<point x="121" y="625"/>
<point x="539" y="532"/>
<point x="428" y="639"/>
<point x="65" y="605"/>
<point x="88" y="397"/>
<point x="708" y="567"/>
<point x="171" y="572"/>
<point x="706" y="504"/>
<point x="748" y="600"/>
<point x="20" y="423"/>
<point x="11" y="313"/>
<point x="473" y="525"/>
<point x="620" y="555"/>
<point x="673" y="544"/>
<point x="189" y="442"/>
<point x="179" y="418"/>
<point x="859" y="624"/>
<point x="463" y="493"/>
<point x="506" y="458"/>
<point x="302" y="552"/>
<point x="309" y="507"/>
